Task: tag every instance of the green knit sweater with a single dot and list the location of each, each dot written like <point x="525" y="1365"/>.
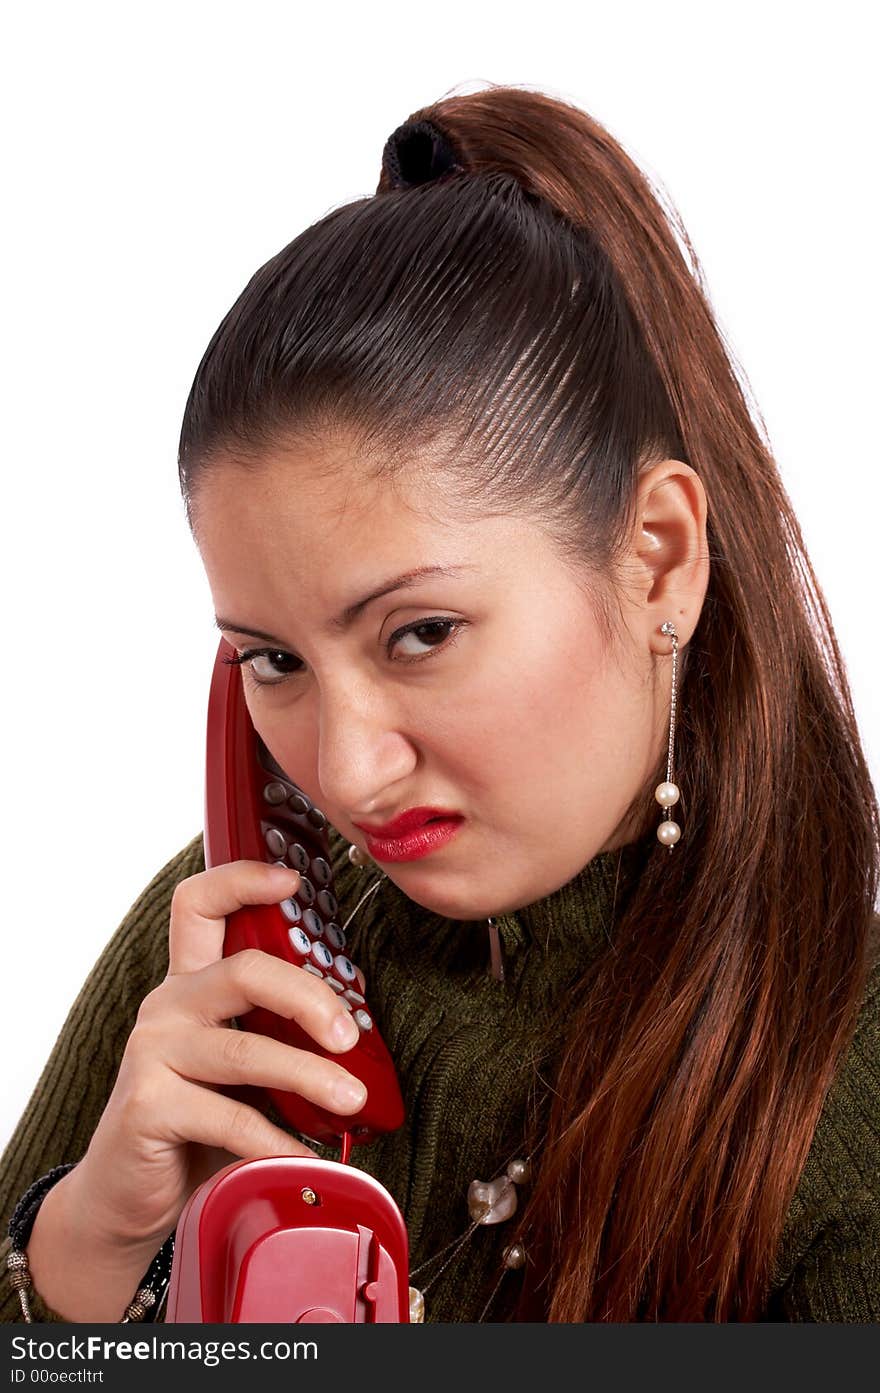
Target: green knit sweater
<point x="465" y="1046"/>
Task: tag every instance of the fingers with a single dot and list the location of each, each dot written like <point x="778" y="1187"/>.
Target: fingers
<point x="194" y="1114"/>
<point x="234" y="985"/>
<point x="237" y="1056"/>
<point x="200" y="904"/>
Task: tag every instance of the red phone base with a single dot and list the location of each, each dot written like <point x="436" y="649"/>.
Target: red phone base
<point x="290" y="1239"/>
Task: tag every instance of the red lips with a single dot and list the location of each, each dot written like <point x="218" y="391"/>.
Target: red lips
<point x="406" y="822"/>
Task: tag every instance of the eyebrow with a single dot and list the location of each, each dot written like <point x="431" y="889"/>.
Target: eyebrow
<point x="351" y="612"/>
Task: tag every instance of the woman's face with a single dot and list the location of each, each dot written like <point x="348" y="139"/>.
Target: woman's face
<point x="506" y="709"/>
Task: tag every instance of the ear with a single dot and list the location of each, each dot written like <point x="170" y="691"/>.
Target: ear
<point x="670" y="552"/>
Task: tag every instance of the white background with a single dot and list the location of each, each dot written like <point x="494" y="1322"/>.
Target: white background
<point x="154" y="157"/>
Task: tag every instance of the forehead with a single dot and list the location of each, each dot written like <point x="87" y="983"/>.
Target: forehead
<point x="323" y="490"/>
<point x="320" y="525"/>
<point x="319" y="528"/>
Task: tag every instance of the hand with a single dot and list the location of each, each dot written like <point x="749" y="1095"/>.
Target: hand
<point x="166" y="1127"/>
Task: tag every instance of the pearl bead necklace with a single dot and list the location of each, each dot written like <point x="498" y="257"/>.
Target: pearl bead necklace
<point x="489" y="1202"/>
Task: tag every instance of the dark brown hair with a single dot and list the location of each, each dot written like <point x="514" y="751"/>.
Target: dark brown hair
<point x="537" y="319"/>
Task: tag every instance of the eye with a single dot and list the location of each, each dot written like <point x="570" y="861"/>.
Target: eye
<point x="268" y="655"/>
<point x="436" y="633"/>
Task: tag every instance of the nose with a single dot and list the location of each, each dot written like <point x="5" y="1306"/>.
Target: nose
<point x="363" y="753"/>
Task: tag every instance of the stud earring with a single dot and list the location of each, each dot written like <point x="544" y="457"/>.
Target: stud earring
<point x="667" y="794"/>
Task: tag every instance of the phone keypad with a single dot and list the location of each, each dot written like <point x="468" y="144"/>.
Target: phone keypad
<point x="317" y="942"/>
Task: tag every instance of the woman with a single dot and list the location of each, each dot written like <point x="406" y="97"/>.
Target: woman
<point x="616" y="674"/>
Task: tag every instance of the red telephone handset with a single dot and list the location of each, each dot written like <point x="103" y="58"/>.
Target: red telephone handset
<point x="254" y="810"/>
<point x="289" y="1238"/>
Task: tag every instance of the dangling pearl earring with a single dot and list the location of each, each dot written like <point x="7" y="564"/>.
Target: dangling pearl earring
<point x="668" y="793"/>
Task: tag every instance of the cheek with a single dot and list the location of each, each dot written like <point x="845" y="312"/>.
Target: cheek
<point x="569" y="733"/>
<point x="536" y="703"/>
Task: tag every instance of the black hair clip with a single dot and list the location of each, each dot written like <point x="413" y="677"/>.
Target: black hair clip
<point x="417" y="152"/>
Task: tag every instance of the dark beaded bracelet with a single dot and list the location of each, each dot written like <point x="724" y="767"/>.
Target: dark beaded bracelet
<point x="151" y="1289"/>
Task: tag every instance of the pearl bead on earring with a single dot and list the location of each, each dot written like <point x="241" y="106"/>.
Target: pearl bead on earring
<point x="667" y="794"/>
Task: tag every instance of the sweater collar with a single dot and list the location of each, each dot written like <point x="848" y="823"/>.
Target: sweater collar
<point x="574" y="922"/>
<point x="587" y="906"/>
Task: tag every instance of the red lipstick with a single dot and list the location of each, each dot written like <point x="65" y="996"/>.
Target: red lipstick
<point x="415" y="833"/>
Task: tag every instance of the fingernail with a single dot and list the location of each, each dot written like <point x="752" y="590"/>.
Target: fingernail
<point x="349" y="1093"/>
<point x="288" y="881"/>
<point x="292" y="877"/>
<point x="345" y="1031"/>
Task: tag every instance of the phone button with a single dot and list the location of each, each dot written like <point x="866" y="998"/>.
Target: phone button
<point x="298" y="857"/>
<point x="322" y="956"/>
<point x="321" y="870"/>
<point x="312" y="924"/>
<point x="344" y="968"/>
<point x="300" y="942"/>
<point x="291" y="910"/>
<point x="276" y="841"/>
<point x="354" y="997"/>
<point x="275" y="792"/>
<point x="306" y="891"/>
<point x="334" y="936"/>
<point x="327" y="903"/>
<point x="363" y="1020"/>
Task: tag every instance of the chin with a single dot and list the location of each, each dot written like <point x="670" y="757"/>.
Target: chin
<point x="451" y="906"/>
